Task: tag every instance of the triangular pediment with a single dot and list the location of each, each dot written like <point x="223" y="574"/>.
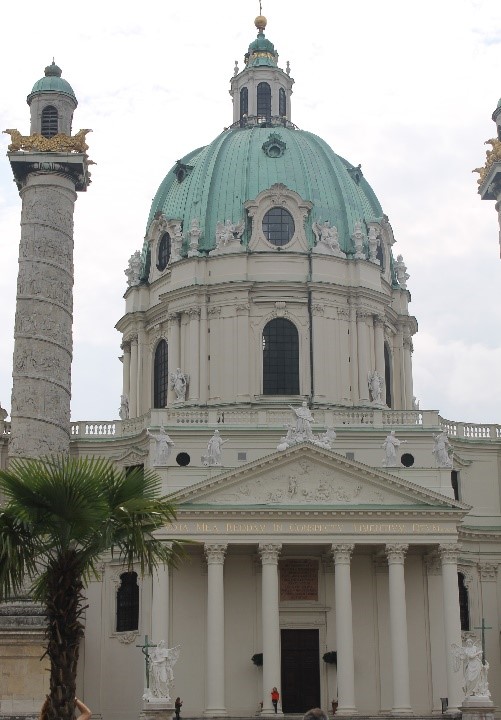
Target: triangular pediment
<point x="308" y="476"/>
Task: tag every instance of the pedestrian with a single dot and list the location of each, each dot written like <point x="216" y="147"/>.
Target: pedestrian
<point x="177" y="707"/>
<point x="275" y="697"/>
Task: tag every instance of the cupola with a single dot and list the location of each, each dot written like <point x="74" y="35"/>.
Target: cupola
<point x="261" y="92"/>
<point x="52" y="103"/>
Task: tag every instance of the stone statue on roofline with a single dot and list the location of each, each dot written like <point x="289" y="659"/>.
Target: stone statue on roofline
<point x="133" y="272"/>
<point x="300" y="431"/>
<point x="327" y="238"/>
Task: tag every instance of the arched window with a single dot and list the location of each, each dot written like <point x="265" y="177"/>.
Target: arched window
<point x="263" y="101"/>
<point x="387" y="376"/>
<point x="280" y="358"/>
<point x="380" y="255"/>
<point x="160" y="376"/>
<point x="163" y="251"/>
<point x="282" y="103"/>
<point x="128" y="603"/>
<point x="49" y="126"/>
<point x="278" y="226"/>
<point x="464" y="603"/>
<point x="244" y="102"/>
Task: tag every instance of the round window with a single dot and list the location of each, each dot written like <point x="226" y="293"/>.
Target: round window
<point x="163" y="251"/>
<point x="278" y="226"/>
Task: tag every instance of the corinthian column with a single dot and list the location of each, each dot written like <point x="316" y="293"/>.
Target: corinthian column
<point x="215" y="706"/>
<point x="452" y="622"/>
<point x="344" y="630"/>
<point x="271" y="626"/>
<point x="398" y="629"/>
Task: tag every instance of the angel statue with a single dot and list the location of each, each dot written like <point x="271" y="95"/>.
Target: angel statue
<point x="179" y="383"/>
<point x="228" y="233"/>
<point x="161" y="661"/>
<point x="474" y="671"/>
<point x="327" y="239"/>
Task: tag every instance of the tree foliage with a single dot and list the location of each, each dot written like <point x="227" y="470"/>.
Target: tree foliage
<point x="60" y="516"/>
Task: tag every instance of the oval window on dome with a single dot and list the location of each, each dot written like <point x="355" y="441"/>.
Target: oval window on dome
<point x="163" y="251"/>
<point x="278" y="226"/>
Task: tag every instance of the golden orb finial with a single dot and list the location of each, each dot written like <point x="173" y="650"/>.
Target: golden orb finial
<point x="260" y="22"/>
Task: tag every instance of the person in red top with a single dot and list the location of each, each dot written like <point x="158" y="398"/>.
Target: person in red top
<point x="275" y="697"/>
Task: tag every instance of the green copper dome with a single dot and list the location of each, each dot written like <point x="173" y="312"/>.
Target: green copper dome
<point x="212" y="184"/>
<point x="52" y="82"/>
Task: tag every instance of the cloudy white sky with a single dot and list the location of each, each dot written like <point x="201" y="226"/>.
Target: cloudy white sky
<point x="406" y="89"/>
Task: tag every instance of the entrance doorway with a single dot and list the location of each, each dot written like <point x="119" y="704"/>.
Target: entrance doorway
<point x="300" y="670"/>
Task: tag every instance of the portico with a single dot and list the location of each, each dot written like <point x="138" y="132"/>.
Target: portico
<point x="369" y="551"/>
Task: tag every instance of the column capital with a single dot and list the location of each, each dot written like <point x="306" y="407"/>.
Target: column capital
<point x="194" y="311"/>
<point x="449" y="552"/>
<point x="269" y="553"/>
<point x="379" y="320"/>
<point x="173" y="317"/>
<point x="215" y="552"/>
<point x="395" y="552"/>
<point x="342" y="553"/>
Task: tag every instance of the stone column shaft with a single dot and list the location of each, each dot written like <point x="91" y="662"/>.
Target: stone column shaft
<point x="133" y="406"/>
<point x="204" y="363"/>
<point x="126" y="369"/>
<point x="353" y="355"/>
<point x="362" y="357"/>
<point x="43" y="340"/>
<point x="173" y="352"/>
<point x="271" y="625"/>
<point x="344" y="630"/>
<point x="160" y="605"/>
<point x="194" y="386"/>
<point x="407" y="352"/>
<point x="243" y="352"/>
<point x="319" y="355"/>
<point x="452" y="622"/>
<point x="215" y="706"/>
<point x="398" y="629"/>
<point x="379" y="344"/>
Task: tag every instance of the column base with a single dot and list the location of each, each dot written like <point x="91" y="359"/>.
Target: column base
<point x="402" y="711"/>
<point x="346" y="711"/>
<point x="215" y="712"/>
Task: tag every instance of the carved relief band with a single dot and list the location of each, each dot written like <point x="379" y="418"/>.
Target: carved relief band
<point x="44" y="317"/>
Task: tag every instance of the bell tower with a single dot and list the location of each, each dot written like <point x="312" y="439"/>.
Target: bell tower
<point x="50" y="166"/>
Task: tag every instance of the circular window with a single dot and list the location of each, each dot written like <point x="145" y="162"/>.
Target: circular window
<point x="183" y="459"/>
<point x="278" y="226"/>
<point x="407" y="460"/>
<point x="163" y="251"/>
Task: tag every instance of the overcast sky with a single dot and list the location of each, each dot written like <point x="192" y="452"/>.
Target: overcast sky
<point x="406" y="89"/>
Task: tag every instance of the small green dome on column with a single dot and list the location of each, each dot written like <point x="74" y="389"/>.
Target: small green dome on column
<point x="52" y="82"/>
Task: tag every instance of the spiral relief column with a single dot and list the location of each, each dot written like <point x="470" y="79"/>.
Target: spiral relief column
<point x="48" y="171"/>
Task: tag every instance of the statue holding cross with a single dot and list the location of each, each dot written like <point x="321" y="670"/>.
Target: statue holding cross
<point x="159" y="674"/>
<point x="145" y="650"/>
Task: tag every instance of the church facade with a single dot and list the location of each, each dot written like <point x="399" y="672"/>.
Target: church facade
<point x="341" y="539"/>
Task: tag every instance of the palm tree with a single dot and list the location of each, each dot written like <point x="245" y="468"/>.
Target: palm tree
<point x="59" y="517"/>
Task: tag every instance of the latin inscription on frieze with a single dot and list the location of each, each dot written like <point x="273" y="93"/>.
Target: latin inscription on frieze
<point x="299" y="579"/>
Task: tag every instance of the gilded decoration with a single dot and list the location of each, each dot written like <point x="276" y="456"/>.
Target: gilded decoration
<point x="37" y="142"/>
<point x="491" y="156"/>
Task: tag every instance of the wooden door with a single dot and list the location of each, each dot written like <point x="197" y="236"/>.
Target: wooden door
<point x="300" y="670"/>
